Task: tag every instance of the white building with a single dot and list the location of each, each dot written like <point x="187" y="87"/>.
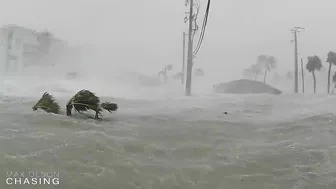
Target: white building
<point x="21" y="47"/>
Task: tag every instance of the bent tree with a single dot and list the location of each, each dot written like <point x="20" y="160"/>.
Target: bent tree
<point x="314" y="64"/>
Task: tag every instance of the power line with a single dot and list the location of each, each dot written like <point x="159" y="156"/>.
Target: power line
<point x="202" y="31"/>
<point x="194" y="17"/>
<point x="205" y="20"/>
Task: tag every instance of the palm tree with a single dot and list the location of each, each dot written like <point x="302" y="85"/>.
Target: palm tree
<point x="269" y="64"/>
<point x="314" y="63"/>
<point x="266" y="62"/>
<point x="261" y="59"/>
<point x="47" y="103"/>
<point x="85" y="100"/>
<point x="331" y="60"/>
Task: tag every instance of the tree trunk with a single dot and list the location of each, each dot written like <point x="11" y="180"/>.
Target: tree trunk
<point x="329" y="77"/>
<point x="314" y="82"/>
<point x="265" y="76"/>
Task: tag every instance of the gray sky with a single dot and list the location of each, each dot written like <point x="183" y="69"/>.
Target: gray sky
<point x="146" y="34"/>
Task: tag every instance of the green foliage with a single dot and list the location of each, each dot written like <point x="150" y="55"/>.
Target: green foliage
<point x="86" y="100"/>
<point x="109" y="106"/>
<point x="48" y="104"/>
<point x="314" y="63"/>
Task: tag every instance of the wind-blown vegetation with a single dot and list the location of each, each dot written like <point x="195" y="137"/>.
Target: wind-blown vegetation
<point x="82" y="101"/>
<point x="314" y="64"/>
<point x="48" y="104"/>
<point x="264" y="64"/>
<point x="86" y="100"/>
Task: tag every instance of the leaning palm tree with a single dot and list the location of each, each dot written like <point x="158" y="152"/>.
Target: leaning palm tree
<point x="269" y="64"/>
<point x="331" y="60"/>
<point x="85" y="100"/>
<point x="47" y="103"/>
<point x="314" y="63"/>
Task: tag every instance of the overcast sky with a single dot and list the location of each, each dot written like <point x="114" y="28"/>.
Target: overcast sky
<point x="146" y="34"/>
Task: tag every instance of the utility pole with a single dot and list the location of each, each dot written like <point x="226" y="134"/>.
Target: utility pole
<point x="296" y="78"/>
<point x="183" y="61"/>
<point x="190" y="50"/>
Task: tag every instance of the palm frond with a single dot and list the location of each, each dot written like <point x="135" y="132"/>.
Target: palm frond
<point x="331" y="57"/>
<point x="109" y="106"/>
<point x="47" y="103"/>
<point x="83" y="101"/>
<point x="86" y="100"/>
<point x="314" y="63"/>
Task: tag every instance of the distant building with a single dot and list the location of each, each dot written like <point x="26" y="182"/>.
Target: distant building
<point x="21" y="47"/>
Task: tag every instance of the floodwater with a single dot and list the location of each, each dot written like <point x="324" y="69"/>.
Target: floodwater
<point x="264" y="142"/>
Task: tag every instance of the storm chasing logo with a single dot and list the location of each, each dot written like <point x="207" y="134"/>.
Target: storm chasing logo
<point x="32" y="178"/>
